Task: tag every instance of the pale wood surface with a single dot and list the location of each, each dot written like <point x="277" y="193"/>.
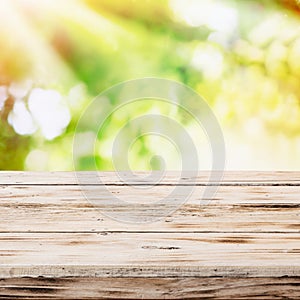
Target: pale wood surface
<point x="112" y="178"/>
<point x="244" y="243"/>
<point x="232" y="209"/>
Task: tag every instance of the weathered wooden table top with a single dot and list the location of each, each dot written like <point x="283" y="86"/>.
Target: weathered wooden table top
<point x="244" y="243"/>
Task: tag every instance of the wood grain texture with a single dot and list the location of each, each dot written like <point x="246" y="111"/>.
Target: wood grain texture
<point x="159" y="252"/>
<point x="232" y="209"/>
<point x="151" y="288"/>
<point x="170" y="177"/>
<point x="243" y="244"/>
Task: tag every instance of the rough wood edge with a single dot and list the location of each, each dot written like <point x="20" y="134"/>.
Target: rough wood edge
<point x="151" y="288"/>
<point x="155" y="271"/>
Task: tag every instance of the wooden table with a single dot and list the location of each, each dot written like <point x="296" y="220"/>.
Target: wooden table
<point x="245" y="243"/>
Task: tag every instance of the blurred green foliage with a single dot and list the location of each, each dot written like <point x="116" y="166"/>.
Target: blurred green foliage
<point x="243" y="57"/>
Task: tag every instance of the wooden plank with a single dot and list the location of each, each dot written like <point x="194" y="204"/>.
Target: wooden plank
<point x="244" y="243"/>
<point x="143" y="254"/>
<point x="151" y="288"/>
<point x="232" y="209"/>
<point x="113" y="178"/>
